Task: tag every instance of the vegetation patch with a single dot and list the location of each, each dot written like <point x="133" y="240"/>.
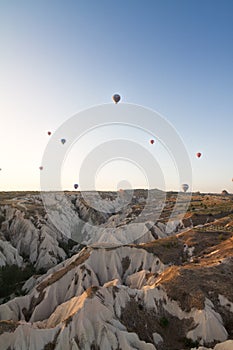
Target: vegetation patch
<point x="8" y="326"/>
<point x="144" y="322"/>
<point x="91" y="291"/>
<point x="125" y="262"/>
<point x="60" y="273"/>
<point x="12" y="279"/>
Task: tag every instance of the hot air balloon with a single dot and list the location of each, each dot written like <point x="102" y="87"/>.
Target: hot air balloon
<point x="41" y="168"/>
<point x="198" y="154"/>
<point x="152" y="141"/>
<point x="185" y="187"/>
<point x="76" y="186"/>
<point x="116" y="98"/>
<point x="63" y="141"/>
<point x="49" y="133"/>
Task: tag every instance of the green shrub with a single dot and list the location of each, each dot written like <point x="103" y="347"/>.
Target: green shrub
<point x="12" y="277"/>
<point x="163" y="322"/>
<point x="189" y="343"/>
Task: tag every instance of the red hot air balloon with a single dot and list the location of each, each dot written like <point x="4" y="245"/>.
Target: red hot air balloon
<point x="49" y="133"/>
<point x="116" y="98"/>
<point x="152" y="141"/>
<point x="198" y="154"/>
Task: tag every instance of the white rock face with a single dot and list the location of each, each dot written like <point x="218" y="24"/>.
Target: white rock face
<point x="81" y="302"/>
<point x="26" y="336"/>
<point x="38" y="235"/>
<point x="99" y="266"/>
<point x="105" y="280"/>
<point x="44" y="250"/>
<point x="138" y="279"/>
<point x="172" y="226"/>
<point x="89" y="219"/>
<point x="64" y="309"/>
<point x="41" y="245"/>
<point x="209" y="325"/>
<point x="227" y="345"/>
<point x="29" y="284"/>
<point x="9" y="255"/>
<point x="225" y="302"/>
<point x="157" y="338"/>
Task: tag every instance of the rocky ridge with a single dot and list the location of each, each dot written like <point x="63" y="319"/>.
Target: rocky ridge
<point x="171" y="291"/>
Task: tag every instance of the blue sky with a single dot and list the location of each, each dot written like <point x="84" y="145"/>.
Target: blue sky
<point x="60" y="57"/>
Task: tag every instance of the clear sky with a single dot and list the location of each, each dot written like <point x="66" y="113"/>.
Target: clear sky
<point x="61" y="57"/>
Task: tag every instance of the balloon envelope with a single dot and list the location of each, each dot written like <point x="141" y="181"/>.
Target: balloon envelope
<point x="76" y="186"/>
<point x="41" y="168"/>
<point x="152" y="141"/>
<point x="116" y="98"/>
<point x="63" y="141"/>
<point x="49" y="133"/>
<point x="198" y="154"/>
<point x="185" y="187"/>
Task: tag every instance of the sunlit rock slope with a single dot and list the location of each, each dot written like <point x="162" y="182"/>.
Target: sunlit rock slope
<point x="169" y="289"/>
